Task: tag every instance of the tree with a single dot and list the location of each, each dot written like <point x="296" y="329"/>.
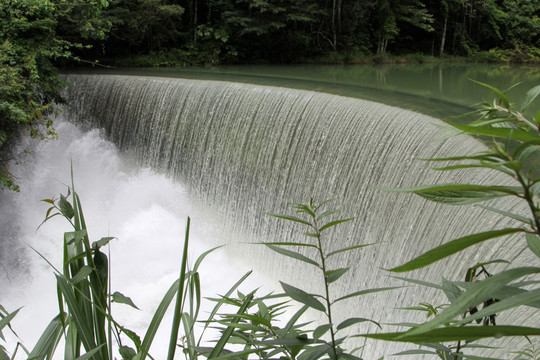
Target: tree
<point x="29" y="43"/>
<point x="390" y="15"/>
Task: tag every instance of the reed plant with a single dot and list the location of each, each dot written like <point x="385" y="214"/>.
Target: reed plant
<point x="513" y="149"/>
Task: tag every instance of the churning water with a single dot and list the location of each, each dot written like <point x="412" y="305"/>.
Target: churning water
<point x="239" y="150"/>
<point x="145" y="211"/>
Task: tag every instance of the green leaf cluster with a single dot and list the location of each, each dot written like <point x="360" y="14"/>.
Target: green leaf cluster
<point x="512" y="141"/>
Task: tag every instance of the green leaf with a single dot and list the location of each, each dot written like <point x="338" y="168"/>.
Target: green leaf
<point x="460" y="194"/>
<point x="119" y="298"/>
<point x="346" y="356"/>
<point x="221" y="302"/>
<point x="327" y="213"/>
<point x="290" y="218"/>
<point x="334" y="223"/>
<point x="476" y="294"/>
<point x="365" y="292"/>
<point x="451" y="290"/>
<point x="420" y="282"/>
<point x="127" y="353"/>
<point x="448" y="334"/>
<point x="517" y="217"/>
<point x="531" y="95"/>
<point x="533" y="242"/>
<point x="333" y="275"/>
<point x="81" y="275"/>
<point x="415" y="352"/>
<point x="90" y="354"/>
<point x="505" y="304"/>
<point x="451" y="248"/>
<point x="500" y="132"/>
<point x="65" y="208"/>
<point x="101" y="242"/>
<point x="348" y="249"/>
<point x="353" y="321"/>
<point x="4" y="321"/>
<point x="294" y="318"/>
<point x="321" y="330"/>
<point x="314" y="353"/>
<point x="78" y="313"/>
<point x="502" y="96"/>
<point x="293" y="254"/>
<point x="49" y="339"/>
<point x="284" y="243"/>
<point x="224" y="339"/>
<point x="302" y="297"/>
<point x="132" y="335"/>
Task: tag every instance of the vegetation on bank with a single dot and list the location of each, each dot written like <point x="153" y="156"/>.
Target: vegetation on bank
<point x="256" y="327"/>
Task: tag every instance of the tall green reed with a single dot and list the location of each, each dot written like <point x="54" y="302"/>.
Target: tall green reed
<point x="513" y="149"/>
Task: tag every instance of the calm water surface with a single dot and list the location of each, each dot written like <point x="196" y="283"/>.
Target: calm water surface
<point x="440" y="90"/>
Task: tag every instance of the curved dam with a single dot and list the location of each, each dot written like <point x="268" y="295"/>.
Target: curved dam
<point x="242" y="150"/>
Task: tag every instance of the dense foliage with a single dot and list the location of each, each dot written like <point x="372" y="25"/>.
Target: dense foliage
<point x="214" y="31"/>
<point x="29" y="44"/>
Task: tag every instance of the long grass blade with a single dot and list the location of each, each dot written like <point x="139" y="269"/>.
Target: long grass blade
<point x="179" y="296"/>
<point x="49" y="339"/>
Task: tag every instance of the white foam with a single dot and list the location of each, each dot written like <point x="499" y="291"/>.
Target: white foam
<point x="144" y="210"/>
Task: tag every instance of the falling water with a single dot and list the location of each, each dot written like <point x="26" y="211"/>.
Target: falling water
<point x="145" y="211"/>
<point x="240" y="150"/>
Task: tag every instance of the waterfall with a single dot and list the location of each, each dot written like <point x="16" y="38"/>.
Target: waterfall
<point x="241" y="150"/>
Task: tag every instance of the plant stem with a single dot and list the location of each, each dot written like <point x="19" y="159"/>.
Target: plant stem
<point x="326" y="286"/>
<point x="529" y="199"/>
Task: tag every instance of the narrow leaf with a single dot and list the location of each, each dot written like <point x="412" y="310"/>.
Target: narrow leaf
<point x="284" y="243"/>
<point x="531" y="95"/>
<point x="49" y="339"/>
<point x="415" y="352"/>
<point x="365" y="292"/>
<point x="334" y="275"/>
<point x="505" y="304"/>
<point x="353" y="321"/>
<point x="90" y="354"/>
<point x="321" y="330"/>
<point x="502" y="96"/>
<point x="293" y="254"/>
<point x="81" y="275"/>
<point x="517" y="217"/>
<point x="533" y="242"/>
<point x="334" y="223"/>
<point x="451" y="248"/>
<point x="302" y="297"/>
<point x="500" y="132"/>
<point x="448" y="334"/>
<point x="290" y="218"/>
<point x="348" y="249"/>
<point x="4" y="321"/>
<point x="477" y="293"/>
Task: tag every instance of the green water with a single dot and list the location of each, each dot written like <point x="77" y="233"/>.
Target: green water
<point x="439" y="90"/>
